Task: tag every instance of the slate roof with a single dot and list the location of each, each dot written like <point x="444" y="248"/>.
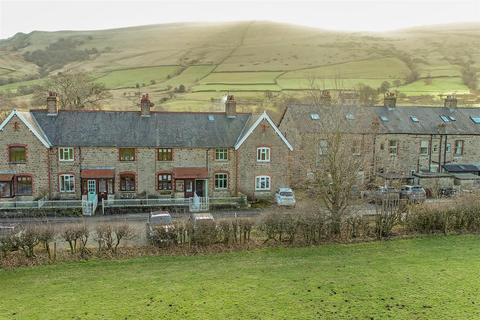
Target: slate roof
<point x="129" y="129"/>
<point x="398" y="119"/>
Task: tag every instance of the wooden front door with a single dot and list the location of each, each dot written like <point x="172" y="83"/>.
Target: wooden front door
<point x="189" y="188"/>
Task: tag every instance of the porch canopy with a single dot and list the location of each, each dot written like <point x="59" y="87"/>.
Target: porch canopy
<point x="462" y="168"/>
<point x="97" y="173"/>
<point x="190" y="173"/>
<point x="4" y="177"/>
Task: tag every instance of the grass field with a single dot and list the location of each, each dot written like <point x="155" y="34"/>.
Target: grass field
<point x="128" y="78"/>
<point x="424" y="278"/>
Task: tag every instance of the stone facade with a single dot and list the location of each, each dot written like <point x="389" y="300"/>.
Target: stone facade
<point x="46" y="167"/>
<point x="277" y="168"/>
<point x="16" y="133"/>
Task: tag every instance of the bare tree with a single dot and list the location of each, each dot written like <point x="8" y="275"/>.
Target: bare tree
<point x="341" y="154"/>
<point x="75" y="90"/>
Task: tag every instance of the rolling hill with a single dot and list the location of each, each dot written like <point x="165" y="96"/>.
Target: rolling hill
<point x="247" y="59"/>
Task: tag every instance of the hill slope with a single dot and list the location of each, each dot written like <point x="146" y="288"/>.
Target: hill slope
<point x="246" y="58"/>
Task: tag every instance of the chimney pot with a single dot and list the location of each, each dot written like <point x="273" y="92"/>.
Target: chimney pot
<point x="145" y="105"/>
<point x="231" y="106"/>
<point x="52" y="103"/>
<point x="390" y="100"/>
<point x="450" y="102"/>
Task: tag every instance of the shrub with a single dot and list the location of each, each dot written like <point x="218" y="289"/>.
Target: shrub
<point x="46" y="234"/>
<point x="110" y="236"/>
<point x="27" y="239"/>
<point x="76" y="234"/>
<point x="204" y="232"/>
<point x="279" y="226"/>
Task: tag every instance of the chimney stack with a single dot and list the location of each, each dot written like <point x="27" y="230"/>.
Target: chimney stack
<point x="325" y="98"/>
<point x="145" y="105"/>
<point x="450" y="102"/>
<point x="390" y="100"/>
<point x="52" y="103"/>
<point x="231" y="106"/>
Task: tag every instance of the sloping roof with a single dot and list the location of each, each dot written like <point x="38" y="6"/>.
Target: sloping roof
<point x="251" y="125"/>
<point x="129" y="129"/>
<point x="395" y="120"/>
<point x="31" y="123"/>
<point x="461" y="167"/>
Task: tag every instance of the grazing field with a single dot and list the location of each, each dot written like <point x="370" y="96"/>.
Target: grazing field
<point x="424" y="278"/>
<point x="128" y="78"/>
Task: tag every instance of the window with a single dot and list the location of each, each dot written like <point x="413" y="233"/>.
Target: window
<point x="323" y="147"/>
<point x="221" y="154"/>
<point x="452" y="118"/>
<point x="17" y="154"/>
<point x="211" y="117"/>
<point x="65" y="154"/>
<point x="67" y="183"/>
<point x="24" y="185"/>
<point x="263" y="154"/>
<point x="221" y="181"/>
<point x="6" y="189"/>
<point x="475" y="119"/>
<point x="165" y="154"/>
<point x="449" y="148"/>
<point x="445" y="118"/>
<point x="127" y="154"/>
<point x="356" y="148"/>
<point x="127" y="182"/>
<point x="393" y="147"/>
<point x="262" y="183"/>
<point x="384" y="118"/>
<point x="414" y="118"/>
<point x="350" y="116"/>
<point x="458" y="148"/>
<point x="314" y="116"/>
<point x="165" y="181"/>
<point x="424" y="148"/>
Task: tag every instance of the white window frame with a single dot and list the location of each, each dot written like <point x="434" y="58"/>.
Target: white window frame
<point x="459" y="146"/>
<point x="263" y="154"/>
<point x="63" y="183"/>
<point x="223" y="178"/>
<point x="221" y="154"/>
<point x="425" y="145"/>
<point x="267" y="183"/>
<point x="61" y="154"/>
<point x="392" y="148"/>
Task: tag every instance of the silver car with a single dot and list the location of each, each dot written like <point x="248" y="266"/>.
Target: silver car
<point x="285" y="197"/>
<point x="413" y="193"/>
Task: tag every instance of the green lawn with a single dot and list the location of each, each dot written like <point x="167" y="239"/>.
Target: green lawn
<point x="425" y="278"/>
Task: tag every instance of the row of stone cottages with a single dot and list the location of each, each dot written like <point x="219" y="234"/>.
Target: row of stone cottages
<point x="64" y="154"/>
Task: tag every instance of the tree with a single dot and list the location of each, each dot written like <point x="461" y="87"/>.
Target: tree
<point x="367" y="95"/>
<point x="340" y="159"/>
<point x="75" y="90"/>
<point x="384" y="87"/>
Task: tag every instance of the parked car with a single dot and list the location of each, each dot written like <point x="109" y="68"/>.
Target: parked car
<point x="201" y="218"/>
<point x="413" y="193"/>
<point x="160" y="226"/>
<point x="285" y="197"/>
<point x="381" y="193"/>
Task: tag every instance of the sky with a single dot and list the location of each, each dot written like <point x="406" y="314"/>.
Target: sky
<point x="343" y="15"/>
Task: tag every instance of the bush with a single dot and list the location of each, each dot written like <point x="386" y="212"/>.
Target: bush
<point x="204" y="233"/>
<point x="279" y="226"/>
<point x="110" y="236"/>
<point x="27" y="239"/>
<point x="76" y="235"/>
<point x="46" y="234"/>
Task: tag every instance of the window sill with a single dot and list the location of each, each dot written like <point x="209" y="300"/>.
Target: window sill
<point x="263" y="190"/>
<point x="23" y="162"/>
<point x="66" y="160"/>
<point x="68" y="192"/>
<point x="223" y="189"/>
<point x="127" y="160"/>
<point x="260" y="161"/>
<point x="164" y="160"/>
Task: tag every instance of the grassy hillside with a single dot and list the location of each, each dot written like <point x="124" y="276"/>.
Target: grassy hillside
<point x="424" y="278"/>
<point x="247" y="57"/>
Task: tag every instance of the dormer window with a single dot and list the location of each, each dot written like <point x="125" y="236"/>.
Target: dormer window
<point x="350" y="116"/>
<point x="384" y="118"/>
<point x="414" y="119"/>
<point x="314" y="116"/>
<point x="126" y="154"/>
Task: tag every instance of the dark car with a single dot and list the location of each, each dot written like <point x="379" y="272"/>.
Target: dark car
<point x="413" y="193"/>
<point x="160" y="227"/>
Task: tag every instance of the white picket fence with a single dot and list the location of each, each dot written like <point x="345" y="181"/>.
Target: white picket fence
<point x="89" y="208"/>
